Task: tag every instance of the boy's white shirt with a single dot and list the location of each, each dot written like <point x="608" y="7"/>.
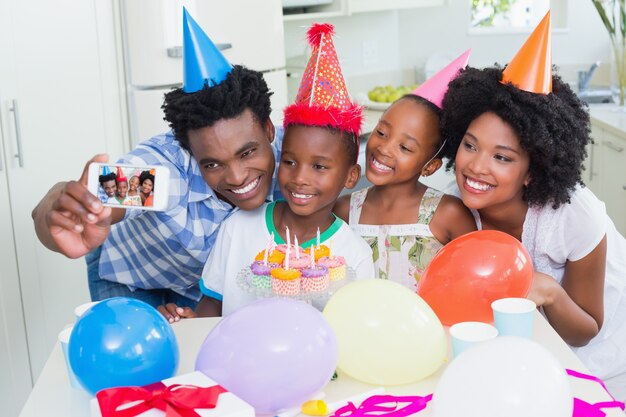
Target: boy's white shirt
<point x="245" y="233"/>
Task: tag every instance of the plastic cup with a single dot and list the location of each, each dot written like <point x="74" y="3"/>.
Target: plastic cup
<point x="81" y="309"/>
<point x="64" y="340"/>
<point x="514" y="316"/>
<point x="470" y="333"/>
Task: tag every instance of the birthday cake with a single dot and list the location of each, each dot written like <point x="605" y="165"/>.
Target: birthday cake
<point x="290" y="270"/>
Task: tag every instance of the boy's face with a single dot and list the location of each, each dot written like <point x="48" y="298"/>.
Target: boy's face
<point x="236" y="159"/>
<point x="122" y="189"/>
<point x="402" y="143"/>
<point x="109" y="187"/>
<point x="314" y="168"/>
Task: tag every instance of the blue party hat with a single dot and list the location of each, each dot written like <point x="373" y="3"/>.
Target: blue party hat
<point x="202" y="61"/>
<point x="105" y="170"/>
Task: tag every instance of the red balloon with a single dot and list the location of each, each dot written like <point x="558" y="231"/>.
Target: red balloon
<point x="471" y="272"/>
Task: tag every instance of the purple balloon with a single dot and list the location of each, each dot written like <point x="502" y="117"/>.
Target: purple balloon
<point x="274" y="354"/>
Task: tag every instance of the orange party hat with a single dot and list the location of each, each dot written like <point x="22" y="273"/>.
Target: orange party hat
<point x="531" y="69"/>
<point x="323" y="98"/>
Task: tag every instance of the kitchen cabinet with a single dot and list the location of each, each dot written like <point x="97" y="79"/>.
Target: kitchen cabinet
<point x="348" y="7"/>
<point x="15" y="378"/>
<point x="152" y="37"/>
<point x="608" y="162"/>
<point x="359" y="6"/>
<point x="592" y="164"/>
<point x="60" y="103"/>
<point x="613" y="189"/>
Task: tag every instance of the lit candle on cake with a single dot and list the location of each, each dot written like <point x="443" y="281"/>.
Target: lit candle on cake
<point x="312" y="257"/>
<point x="288" y="240"/>
<point x="287" y="254"/>
<point x="318" y="237"/>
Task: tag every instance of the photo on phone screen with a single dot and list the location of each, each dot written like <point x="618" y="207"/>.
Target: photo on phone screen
<point x="129" y="186"/>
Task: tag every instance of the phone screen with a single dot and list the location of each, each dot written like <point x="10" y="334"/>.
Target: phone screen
<point x="127" y="186"/>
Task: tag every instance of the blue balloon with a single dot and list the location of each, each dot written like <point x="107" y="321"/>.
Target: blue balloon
<point x="122" y="342"/>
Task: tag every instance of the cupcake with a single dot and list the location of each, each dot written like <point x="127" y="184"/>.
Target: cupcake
<point x="314" y="279"/>
<point x="292" y="248"/>
<point x="275" y="256"/>
<point x="285" y="281"/>
<point x="261" y="274"/>
<point x="321" y="251"/>
<point x="336" y="266"/>
<point x="299" y="263"/>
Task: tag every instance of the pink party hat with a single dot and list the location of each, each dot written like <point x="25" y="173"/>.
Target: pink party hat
<point x="436" y="86"/>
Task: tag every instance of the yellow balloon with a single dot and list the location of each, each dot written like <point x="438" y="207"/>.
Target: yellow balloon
<point x="387" y="335"/>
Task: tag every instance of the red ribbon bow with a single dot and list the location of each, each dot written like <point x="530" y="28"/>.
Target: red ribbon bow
<point x="175" y="400"/>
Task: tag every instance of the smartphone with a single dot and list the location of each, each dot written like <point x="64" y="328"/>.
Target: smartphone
<point x="140" y="187"/>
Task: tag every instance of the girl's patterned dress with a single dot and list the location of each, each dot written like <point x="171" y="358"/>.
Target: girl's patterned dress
<point x="401" y="251"/>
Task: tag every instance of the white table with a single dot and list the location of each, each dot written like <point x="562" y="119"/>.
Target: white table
<point x="52" y="395"/>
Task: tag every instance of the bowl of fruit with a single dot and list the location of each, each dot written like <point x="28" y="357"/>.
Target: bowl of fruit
<point x="379" y="98"/>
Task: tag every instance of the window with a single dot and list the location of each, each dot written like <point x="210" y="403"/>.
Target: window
<point x="514" y="15"/>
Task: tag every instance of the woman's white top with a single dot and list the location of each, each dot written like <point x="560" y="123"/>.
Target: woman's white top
<point x="571" y="232"/>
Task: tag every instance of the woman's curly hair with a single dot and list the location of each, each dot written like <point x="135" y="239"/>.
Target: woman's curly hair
<point x="243" y="88"/>
<point x="553" y="128"/>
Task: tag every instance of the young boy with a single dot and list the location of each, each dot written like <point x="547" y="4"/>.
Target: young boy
<point x="219" y="155"/>
<point x="318" y="160"/>
<point x="121" y="187"/>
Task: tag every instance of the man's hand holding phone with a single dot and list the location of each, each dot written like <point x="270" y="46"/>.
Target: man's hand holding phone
<point x="70" y="219"/>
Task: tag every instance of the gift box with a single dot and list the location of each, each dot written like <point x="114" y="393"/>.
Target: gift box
<point x="179" y="395"/>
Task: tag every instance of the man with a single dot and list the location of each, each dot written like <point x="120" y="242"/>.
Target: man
<point x="220" y="157"/>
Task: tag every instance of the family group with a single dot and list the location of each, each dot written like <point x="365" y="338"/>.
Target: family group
<point x="116" y="188"/>
<point x="515" y="136"/>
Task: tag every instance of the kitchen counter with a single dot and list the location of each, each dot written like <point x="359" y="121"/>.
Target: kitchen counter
<point x="53" y="396"/>
<point x="609" y="117"/>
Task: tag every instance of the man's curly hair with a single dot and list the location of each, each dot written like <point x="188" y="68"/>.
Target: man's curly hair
<point x="243" y="88"/>
<point x="553" y="128"/>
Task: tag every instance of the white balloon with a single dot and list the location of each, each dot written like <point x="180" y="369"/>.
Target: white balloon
<point x="507" y="376"/>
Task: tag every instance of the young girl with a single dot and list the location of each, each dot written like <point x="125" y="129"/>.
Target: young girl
<point x="121" y="188"/>
<point x="405" y="222"/>
<point x="518" y="157"/>
<point x="132" y="197"/>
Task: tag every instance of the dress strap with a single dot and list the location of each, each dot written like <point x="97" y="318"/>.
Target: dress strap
<point x="356" y="205"/>
<point x="428" y="205"/>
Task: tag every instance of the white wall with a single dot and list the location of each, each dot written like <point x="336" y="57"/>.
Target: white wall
<point x="445" y="28"/>
<point x="405" y="39"/>
<point x="377" y="33"/>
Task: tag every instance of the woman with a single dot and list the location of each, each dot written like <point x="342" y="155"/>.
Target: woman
<point x="518" y="157"/>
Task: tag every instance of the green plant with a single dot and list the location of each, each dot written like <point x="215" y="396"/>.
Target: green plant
<point x="497" y="7"/>
<point x="613" y="15"/>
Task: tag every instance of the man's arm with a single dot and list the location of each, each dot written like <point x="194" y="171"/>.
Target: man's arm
<point x="72" y="221"/>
